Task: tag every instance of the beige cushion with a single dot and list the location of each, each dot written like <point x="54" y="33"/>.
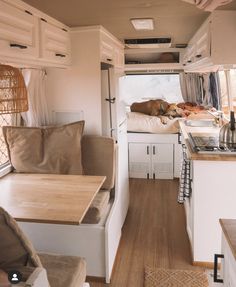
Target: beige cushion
<point x="98" y="157"/>
<point x="97" y="208"/>
<point x="64" y="270"/>
<point x="15" y="248"/>
<point x="54" y="150"/>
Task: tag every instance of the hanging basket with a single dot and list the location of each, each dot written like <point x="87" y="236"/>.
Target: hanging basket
<point x="13" y="93"/>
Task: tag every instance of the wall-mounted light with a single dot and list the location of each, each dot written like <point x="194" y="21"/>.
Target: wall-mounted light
<point x="143" y="23"/>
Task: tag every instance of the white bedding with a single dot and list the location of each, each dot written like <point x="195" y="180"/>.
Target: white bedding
<point x="137" y="122"/>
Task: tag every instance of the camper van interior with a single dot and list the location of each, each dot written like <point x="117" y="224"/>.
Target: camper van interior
<point x="117" y="143"/>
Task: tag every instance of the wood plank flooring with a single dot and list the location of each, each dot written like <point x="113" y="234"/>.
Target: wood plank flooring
<point x="153" y="234"/>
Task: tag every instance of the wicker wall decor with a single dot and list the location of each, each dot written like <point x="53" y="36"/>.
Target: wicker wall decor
<point x="13" y="93"/>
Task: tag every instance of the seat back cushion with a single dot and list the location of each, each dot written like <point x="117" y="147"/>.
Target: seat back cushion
<point x="54" y="150"/>
<point x="15" y="249"/>
<point x="98" y="158"/>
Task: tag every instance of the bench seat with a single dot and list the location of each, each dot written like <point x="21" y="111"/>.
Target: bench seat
<point x="97" y="208"/>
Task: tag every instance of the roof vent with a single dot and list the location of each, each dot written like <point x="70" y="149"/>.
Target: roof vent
<point x="148" y="43"/>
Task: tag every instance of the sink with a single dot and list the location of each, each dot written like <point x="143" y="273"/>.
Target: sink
<point x="200" y="123"/>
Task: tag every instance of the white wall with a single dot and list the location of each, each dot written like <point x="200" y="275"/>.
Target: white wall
<point x="79" y="86"/>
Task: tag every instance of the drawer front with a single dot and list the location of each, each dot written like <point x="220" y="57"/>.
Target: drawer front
<point x="55" y="43"/>
<point x="18" y="32"/>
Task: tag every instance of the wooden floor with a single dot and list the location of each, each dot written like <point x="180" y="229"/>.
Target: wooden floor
<point x="153" y="234"/>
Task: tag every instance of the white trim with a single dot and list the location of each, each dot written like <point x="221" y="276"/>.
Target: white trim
<point x="97" y="28"/>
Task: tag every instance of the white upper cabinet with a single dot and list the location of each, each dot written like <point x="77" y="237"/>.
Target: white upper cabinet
<point x="29" y="36"/>
<point x="111" y="50"/>
<point x="54" y="43"/>
<point x="18" y="32"/>
<point x="213" y="46"/>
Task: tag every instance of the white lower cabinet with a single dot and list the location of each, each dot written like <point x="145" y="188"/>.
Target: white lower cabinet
<point x="151" y="160"/>
<point x="228" y="267"/>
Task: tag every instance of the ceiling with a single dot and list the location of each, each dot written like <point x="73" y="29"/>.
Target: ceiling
<point x="173" y="18"/>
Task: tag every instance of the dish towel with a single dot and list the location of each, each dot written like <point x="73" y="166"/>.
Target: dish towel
<point x="185" y="181"/>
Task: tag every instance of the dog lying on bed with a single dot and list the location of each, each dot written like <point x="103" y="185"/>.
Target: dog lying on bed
<point x="158" y="108"/>
<point x="151" y="108"/>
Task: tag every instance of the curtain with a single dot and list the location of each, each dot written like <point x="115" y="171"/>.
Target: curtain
<point x="208" y="5"/>
<point x="201" y="89"/>
<point x="191" y="88"/>
<point x="38" y="113"/>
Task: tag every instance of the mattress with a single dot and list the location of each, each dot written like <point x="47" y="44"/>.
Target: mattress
<point x="137" y="122"/>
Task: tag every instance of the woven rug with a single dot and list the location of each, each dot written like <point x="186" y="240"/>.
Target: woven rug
<point x="174" y="278"/>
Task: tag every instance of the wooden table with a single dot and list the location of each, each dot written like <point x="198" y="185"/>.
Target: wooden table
<point x="47" y="198"/>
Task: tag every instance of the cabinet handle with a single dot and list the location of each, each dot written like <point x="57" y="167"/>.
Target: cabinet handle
<point x="109" y="59"/>
<point x="154" y="176"/>
<point x="63" y="29"/>
<point x="215" y="268"/>
<point x="147" y="175"/>
<point x="60" y="55"/>
<point x="44" y="20"/>
<point x="179" y="138"/>
<point x="189" y="61"/>
<point x="147" y="149"/>
<point x="111" y="101"/>
<point x="13" y="45"/>
<point x="28" y="12"/>
<point x="198" y="56"/>
<point x="184" y="64"/>
<point x="154" y="150"/>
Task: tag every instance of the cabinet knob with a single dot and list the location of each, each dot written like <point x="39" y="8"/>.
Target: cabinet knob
<point x="189" y="61"/>
<point x="198" y="56"/>
<point x="13" y="45"/>
<point x="109" y="59"/>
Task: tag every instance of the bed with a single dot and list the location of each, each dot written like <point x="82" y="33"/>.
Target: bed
<point x="141" y="123"/>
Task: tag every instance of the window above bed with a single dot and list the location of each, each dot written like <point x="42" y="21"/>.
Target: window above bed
<point x="139" y="88"/>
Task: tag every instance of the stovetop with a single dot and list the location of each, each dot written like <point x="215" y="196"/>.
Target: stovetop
<point x="210" y="144"/>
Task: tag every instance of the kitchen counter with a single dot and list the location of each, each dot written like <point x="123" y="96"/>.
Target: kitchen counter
<point x="229" y="229"/>
<point x="185" y="130"/>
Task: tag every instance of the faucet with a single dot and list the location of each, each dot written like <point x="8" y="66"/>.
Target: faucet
<point x="218" y="116"/>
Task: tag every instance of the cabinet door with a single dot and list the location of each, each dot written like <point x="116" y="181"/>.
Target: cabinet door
<point x="162" y="161"/>
<point x="229" y="265"/>
<point x="18" y="32"/>
<point x="107" y="52"/>
<point x="55" y="43"/>
<point x="202" y="42"/>
<point x="139" y="160"/>
<point x="119" y="58"/>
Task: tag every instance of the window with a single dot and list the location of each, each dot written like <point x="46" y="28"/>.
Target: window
<point x="138" y="88"/>
<point x="4" y="120"/>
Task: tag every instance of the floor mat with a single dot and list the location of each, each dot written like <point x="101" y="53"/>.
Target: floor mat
<point x="159" y="277"/>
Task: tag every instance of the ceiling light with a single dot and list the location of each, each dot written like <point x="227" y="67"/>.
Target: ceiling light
<point x="143" y="24"/>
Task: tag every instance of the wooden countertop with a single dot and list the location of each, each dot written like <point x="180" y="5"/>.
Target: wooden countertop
<point x="48" y="198"/>
<point x="185" y="130"/>
<point x="229" y="229"/>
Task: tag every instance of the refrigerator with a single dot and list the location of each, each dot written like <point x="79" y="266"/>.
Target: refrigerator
<point x="114" y="124"/>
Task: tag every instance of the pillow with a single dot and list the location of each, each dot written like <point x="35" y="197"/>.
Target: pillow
<point x="16" y="250"/>
<point x="54" y="150"/>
